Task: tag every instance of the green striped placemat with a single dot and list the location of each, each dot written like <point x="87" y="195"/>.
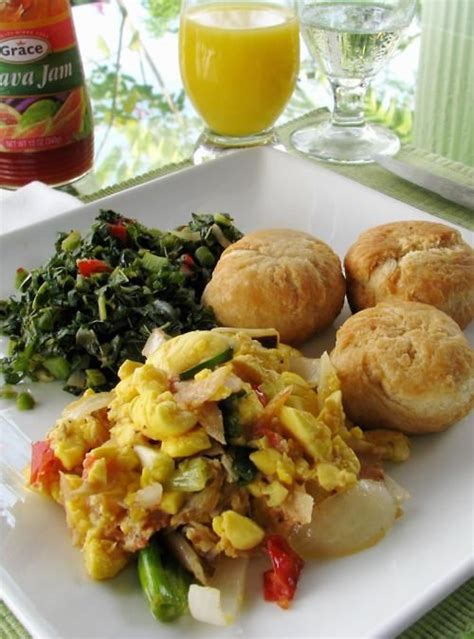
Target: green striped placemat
<point x="453" y="618"/>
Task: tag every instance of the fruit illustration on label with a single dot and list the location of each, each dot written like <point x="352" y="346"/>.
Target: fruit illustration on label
<point x="9" y="119"/>
<point x="62" y="121"/>
<point x="68" y="121"/>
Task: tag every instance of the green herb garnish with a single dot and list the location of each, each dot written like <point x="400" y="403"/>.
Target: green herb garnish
<point x="242" y="466"/>
<point x="94" y="303"/>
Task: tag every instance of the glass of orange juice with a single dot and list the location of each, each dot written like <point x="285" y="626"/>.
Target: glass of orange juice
<point x="239" y="62"/>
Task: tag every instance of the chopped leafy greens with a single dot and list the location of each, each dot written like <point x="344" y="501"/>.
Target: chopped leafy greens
<point x="97" y="299"/>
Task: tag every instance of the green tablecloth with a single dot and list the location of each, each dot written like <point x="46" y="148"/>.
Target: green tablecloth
<point x="453" y="618"/>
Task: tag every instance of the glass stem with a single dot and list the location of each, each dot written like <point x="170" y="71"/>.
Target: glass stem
<point x="349" y="99"/>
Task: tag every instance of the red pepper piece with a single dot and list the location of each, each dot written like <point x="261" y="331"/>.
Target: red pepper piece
<point x="91" y="266"/>
<point x="188" y="261"/>
<point x="279" y="583"/>
<point x="273" y="438"/>
<point x="119" y="231"/>
<point x="45" y="466"/>
<point x="188" y="264"/>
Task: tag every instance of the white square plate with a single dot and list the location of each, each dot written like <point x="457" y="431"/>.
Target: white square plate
<point x="375" y="593"/>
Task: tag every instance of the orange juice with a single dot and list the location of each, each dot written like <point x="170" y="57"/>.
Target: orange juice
<point x="239" y="64"/>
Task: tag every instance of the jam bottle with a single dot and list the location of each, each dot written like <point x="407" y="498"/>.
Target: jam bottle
<point x="46" y="130"/>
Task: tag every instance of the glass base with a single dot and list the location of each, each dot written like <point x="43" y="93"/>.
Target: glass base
<point x="345" y="145"/>
<point x="210" y="146"/>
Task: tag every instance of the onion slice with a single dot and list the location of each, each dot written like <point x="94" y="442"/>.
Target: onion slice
<point x="210" y="418"/>
<point x="146" y="454"/>
<point x="399" y="494"/>
<point x="150" y="496"/>
<point x="219" y="235"/>
<point x="194" y="393"/>
<point x="219" y="603"/>
<point x="306" y="367"/>
<point x="156" y="339"/>
<point x="348" y="522"/>
<point x="187" y="556"/>
<point x="87" y="405"/>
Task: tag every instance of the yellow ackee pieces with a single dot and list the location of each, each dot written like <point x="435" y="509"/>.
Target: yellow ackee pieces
<point x="103" y="558"/>
<point x="241" y="532"/>
<point x="72" y="439"/>
<point x="337" y="466"/>
<point x="77" y="511"/>
<point x="332" y="412"/>
<point x="274" y="492"/>
<point x="265" y="359"/>
<point x="344" y="456"/>
<point x="171" y="501"/>
<point x="147" y="377"/>
<point x="160" y="470"/>
<point x="303" y="396"/>
<point x="330" y="477"/>
<point x="137" y="378"/>
<point x="188" y="444"/>
<point x="394" y="446"/>
<point x="158" y="416"/>
<point x="127" y="368"/>
<point x="97" y="474"/>
<point x="308" y="431"/>
<point x="185" y="351"/>
<point x="270" y="462"/>
<point x="124" y="433"/>
<point x="124" y="459"/>
<point x="249" y="408"/>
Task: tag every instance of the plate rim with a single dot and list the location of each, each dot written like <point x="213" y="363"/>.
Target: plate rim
<point x="227" y="158"/>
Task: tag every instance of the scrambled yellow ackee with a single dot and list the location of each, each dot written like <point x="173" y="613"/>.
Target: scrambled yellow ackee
<point x="216" y="438"/>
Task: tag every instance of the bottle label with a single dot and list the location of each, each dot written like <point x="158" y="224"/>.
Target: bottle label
<point x="43" y="104"/>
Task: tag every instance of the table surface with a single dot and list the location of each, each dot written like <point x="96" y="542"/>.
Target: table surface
<point x="143" y="119"/>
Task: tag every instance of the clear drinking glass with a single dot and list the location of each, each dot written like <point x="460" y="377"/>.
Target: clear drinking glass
<point x="351" y="41"/>
<point x="239" y="62"/>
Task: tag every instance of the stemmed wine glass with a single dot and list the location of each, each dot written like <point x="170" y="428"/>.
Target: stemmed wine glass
<point x="351" y="41"/>
<point x="239" y="61"/>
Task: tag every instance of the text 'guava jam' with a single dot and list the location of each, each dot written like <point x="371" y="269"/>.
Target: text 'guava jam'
<point x="46" y="130"/>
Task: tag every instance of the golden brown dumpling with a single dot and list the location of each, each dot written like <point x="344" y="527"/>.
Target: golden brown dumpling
<point x="414" y="261"/>
<point x="404" y="365"/>
<point x="279" y="278"/>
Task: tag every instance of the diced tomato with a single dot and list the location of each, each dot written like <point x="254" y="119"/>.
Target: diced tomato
<point x="45" y="466"/>
<point x="262" y="396"/>
<point x="279" y="583"/>
<point x="188" y="260"/>
<point x="91" y="266"/>
<point x="188" y="263"/>
<point x="119" y="231"/>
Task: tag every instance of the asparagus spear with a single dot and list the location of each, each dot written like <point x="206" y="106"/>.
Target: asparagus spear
<point x="164" y="581"/>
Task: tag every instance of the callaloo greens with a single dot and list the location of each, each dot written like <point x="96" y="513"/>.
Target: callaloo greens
<point x="97" y="299"/>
